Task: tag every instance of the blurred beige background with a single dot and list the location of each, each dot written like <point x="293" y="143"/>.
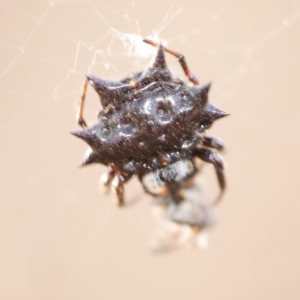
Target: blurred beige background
<point x="60" y="237"/>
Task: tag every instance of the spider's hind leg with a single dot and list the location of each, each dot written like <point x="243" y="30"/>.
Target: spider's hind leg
<point x="145" y="188"/>
<point x="80" y="118"/>
<point x="215" y="159"/>
<point x="212" y="142"/>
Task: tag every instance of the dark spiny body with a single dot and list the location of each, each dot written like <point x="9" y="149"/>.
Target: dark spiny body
<point x="150" y="121"/>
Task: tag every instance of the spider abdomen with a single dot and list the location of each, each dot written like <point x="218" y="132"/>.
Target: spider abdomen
<point x="149" y="121"/>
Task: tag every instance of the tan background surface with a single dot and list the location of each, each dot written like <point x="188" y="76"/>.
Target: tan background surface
<point x="60" y="238"/>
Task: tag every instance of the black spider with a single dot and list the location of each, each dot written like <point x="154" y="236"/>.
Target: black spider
<point x="150" y="122"/>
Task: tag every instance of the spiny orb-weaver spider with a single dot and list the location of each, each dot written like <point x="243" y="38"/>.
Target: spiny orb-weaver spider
<point x="150" y="123"/>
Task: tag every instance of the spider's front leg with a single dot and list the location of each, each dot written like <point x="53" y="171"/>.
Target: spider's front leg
<point x="215" y="159"/>
<point x="116" y="179"/>
<point x="118" y="186"/>
<point x="107" y="178"/>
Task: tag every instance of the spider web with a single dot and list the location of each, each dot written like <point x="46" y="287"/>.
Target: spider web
<point x="47" y="48"/>
<point x="84" y="36"/>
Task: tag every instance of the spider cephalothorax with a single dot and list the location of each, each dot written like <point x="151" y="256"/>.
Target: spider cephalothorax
<point x="149" y="122"/>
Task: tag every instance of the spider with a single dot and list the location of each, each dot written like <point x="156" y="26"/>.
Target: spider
<point x="150" y="122"/>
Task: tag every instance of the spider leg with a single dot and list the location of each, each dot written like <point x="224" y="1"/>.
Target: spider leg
<point x="213" y="158"/>
<point x="107" y="178"/>
<point x="80" y="119"/>
<point x="118" y="186"/>
<point x="146" y="190"/>
<point x="181" y="60"/>
<point x="115" y="179"/>
<point x="212" y="142"/>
